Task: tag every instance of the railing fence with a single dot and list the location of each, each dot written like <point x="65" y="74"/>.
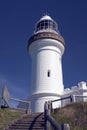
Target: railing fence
<point x="49" y="120"/>
<point x="5" y="100"/>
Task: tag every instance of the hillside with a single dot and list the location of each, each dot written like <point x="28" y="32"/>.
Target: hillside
<point x="7" y="116"/>
<point x="75" y="114"/>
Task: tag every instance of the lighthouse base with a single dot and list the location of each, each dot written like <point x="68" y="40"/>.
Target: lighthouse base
<point x="37" y="102"/>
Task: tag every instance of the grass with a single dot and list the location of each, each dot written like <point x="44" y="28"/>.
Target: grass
<point x="7" y="116"/>
<point x="75" y="114"/>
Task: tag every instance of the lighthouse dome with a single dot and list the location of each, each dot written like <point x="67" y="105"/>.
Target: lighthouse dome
<point x="45" y="17"/>
<point x="46" y="23"/>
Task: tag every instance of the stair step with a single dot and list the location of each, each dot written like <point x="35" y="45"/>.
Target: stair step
<point x="35" y="121"/>
<point x="21" y="128"/>
<point x="38" y="121"/>
<point x="26" y="129"/>
<point x="26" y="125"/>
<point x="30" y="121"/>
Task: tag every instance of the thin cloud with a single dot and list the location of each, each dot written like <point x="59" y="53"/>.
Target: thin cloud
<point x="15" y="91"/>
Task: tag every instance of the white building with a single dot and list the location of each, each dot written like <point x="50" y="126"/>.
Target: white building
<point x="46" y="48"/>
<point x="79" y="93"/>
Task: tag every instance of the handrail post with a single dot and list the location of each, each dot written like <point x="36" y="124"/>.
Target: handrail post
<point x="49" y="107"/>
<point x="52" y="110"/>
<point x="49" y="112"/>
<point x="71" y="99"/>
<point x="28" y="110"/>
<point x="0" y="101"/>
<point x="45" y="113"/>
<point x="65" y="126"/>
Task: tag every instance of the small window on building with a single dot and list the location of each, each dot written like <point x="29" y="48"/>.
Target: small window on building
<point x="48" y="73"/>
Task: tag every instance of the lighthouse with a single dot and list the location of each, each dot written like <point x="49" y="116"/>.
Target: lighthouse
<point x="46" y="47"/>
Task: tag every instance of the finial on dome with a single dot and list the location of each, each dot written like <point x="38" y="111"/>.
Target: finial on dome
<point x="46" y="13"/>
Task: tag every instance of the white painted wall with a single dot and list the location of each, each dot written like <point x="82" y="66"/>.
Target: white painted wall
<point x="37" y="104"/>
<point x="46" y="56"/>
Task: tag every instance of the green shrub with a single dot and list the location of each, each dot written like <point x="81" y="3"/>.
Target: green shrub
<point x="75" y="114"/>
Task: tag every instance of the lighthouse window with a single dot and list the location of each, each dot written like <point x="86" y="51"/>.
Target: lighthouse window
<point x="42" y="25"/>
<point x="48" y="73"/>
<point x="46" y="24"/>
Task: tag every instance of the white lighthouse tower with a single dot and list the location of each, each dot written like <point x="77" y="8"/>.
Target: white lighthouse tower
<point x="46" y="48"/>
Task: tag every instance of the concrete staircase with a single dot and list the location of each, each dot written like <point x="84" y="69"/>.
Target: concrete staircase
<point x="34" y="121"/>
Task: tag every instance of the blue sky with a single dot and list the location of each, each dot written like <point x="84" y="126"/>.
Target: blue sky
<point x="17" y="20"/>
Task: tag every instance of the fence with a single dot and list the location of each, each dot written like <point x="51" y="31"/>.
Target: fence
<point x="28" y="105"/>
<point x="49" y="120"/>
<point x="5" y="100"/>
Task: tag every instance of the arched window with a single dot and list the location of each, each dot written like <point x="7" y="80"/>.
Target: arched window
<point x="48" y="73"/>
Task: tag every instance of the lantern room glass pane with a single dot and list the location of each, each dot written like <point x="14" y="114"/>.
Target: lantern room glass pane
<point x="46" y="24"/>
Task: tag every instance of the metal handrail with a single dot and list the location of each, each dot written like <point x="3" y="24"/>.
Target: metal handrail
<point x="48" y="118"/>
<point x="50" y="121"/>
<point x="5" y="97"/>
<point x="63" y="99"/>
<point x="53" y="122"/>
